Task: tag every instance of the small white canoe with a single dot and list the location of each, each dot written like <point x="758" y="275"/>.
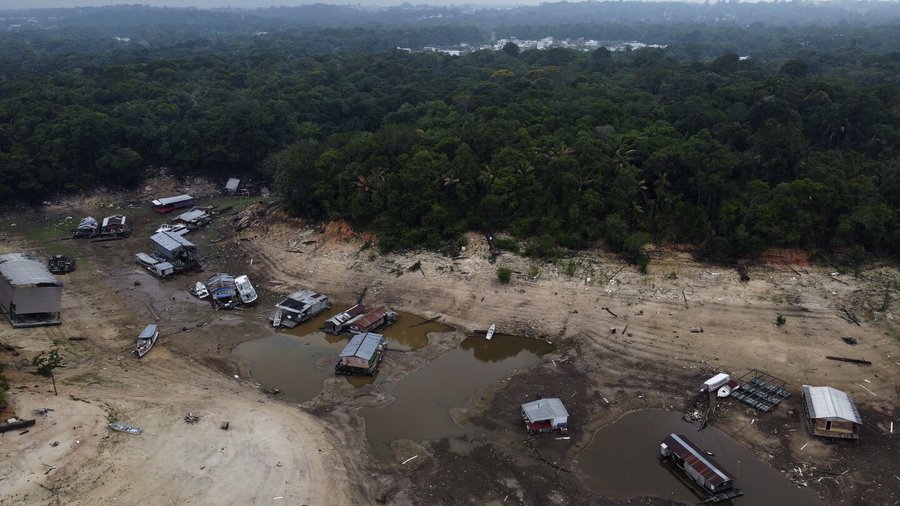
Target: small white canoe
<point x="490" y="332"/>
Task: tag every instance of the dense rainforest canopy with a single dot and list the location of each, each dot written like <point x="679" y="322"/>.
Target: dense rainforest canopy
<point x="693" y="143"/>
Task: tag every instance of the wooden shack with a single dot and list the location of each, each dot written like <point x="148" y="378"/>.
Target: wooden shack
<point x="830" y="413"/>
<point x="115" y="225"/>
<point x="362" y="355"/>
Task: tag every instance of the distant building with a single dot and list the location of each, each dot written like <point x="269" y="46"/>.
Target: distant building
<point x="339" y="322"/>
<point x="231" y="187"/>
<point x="373" y="319"/>
<point x="830" y="413"/>
<point x="29" y="294"/>
<point x="115" y="225"/>
<point x="87" y="227"/>
<point x="172" y="246"/>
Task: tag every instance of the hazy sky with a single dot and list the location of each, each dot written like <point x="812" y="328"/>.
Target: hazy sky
<point x="205" y="4"/>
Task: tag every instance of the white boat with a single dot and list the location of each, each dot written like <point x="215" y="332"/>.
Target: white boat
<point x="490" y="332"/>
<point x="276" y="318"/>
<point x="146" y="340"/>
<point x="199" y="290"/>
<point x="122" y="427"/>
<point x="245" y="290"/>
<point x="173" y="228"/>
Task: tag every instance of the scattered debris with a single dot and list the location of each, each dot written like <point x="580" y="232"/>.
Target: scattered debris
<point x="59" y="264"/>
<point x="696" y="330"/>
<point x="610" y="312"/>
<point x="851" y="360"/>
<point x="225" y="425"/>
<point x="852" y="341"/>
<point x="16" y="424"/>
<point x="409" y="459"/>
<point x="191" y="418"/>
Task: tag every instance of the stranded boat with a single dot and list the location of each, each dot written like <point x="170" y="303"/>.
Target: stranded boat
<point x="199" y="290"/>
<point x="490" y="332"/>
<point x="146" y="340"/>
<point x="122" y="427"/>
<point x="246" y="292"/>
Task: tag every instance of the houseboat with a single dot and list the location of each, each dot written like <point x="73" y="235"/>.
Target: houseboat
<point x="545" y="415"/>
<point x="299" y="307"/>
<point x="115" y="226"/>
<point x="168" y="204"/>
<point x="194" y="219"/>
<point x="830" y="413"/>
<point x="705" y="474"/>
<point x="87" y="227"/>
<point x="376" y="318"/>
<point x="362" y="355"/>
<point x="341" y="321"/>
<point x="223" y="290"/>
<point x="146" y="340"/>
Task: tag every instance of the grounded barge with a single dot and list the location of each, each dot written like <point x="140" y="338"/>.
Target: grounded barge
<point x="703" y="474"/>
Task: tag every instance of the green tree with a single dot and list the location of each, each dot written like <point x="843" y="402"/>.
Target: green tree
<point x="46" y="362"/>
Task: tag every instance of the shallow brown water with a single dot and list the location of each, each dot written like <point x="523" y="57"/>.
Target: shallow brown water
<point x="424" y="399"/>
<point x="410" y="331"/>
<point x="621" y="461"/>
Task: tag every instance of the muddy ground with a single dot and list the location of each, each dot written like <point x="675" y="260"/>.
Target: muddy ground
<point x="622" y="338"/>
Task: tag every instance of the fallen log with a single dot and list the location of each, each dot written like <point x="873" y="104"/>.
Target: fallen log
<point x="18" y="424"/>
<point x="610" y="312"/>
<point x="851" y="360"/>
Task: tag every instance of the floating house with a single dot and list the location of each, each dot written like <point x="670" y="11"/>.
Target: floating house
<point x="831" y="413"/>
<point x="193" y="219"/>
<point x="362" y="355"/>
<point x="545" y="415"/>
<point x="339" y="322"/>
<point x="299" y="307"/>
<point x="168" y="204"/>
<point x="709" y="476"/>
<point x="87" y="227"/>
<point x="29" y="294"/>
<point x="377" y="317"/>
<point x="115" y="225"/>
<point x="223" y="289"/>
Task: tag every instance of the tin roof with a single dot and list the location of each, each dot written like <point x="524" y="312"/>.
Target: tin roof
<point x="171" y="200"/>
<point x="88" y="222"/>
<point x="544" y="409"/>
<point x="301" y="299"/>
<point x="170" y="241"/>
<point x="20" y="269"/>
<point x="694" y="457"/>
<point x="232" y="184"/>
<point x="827" y="402"/>
<point x="371" y="317"/>
<point x="148" y="331"/>
<point x="363" y="345"/>
<point x="116" y="219"/>
<point x="194" y="214"/>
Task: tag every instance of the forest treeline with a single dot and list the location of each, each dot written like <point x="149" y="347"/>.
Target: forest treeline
<point x="794" y="147"/>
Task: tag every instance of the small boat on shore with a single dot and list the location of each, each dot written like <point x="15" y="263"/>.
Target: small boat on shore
<point x="490" y="332"/>
<point x="174" y="228"/>
<point x="199" y="290"/>
<point x="146" y="340"/>
<point x="245" y="290"/>
<point x="123" y="427"/>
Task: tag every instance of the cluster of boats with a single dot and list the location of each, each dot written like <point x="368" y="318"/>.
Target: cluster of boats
<point x="225" y="291"/>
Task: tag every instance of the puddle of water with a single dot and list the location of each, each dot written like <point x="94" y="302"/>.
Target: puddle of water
<point x="621" y="461"/>
<point x="421" y="411"/>
<point x="296" y="361"/>
<point x="410" y="331"/>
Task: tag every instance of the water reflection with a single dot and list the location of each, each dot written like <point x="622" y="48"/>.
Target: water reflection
<point x="424" y="398"/>
<point x="621" y="461"/>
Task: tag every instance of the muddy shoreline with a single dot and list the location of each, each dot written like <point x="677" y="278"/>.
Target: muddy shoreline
<point x="622" y="344"/>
